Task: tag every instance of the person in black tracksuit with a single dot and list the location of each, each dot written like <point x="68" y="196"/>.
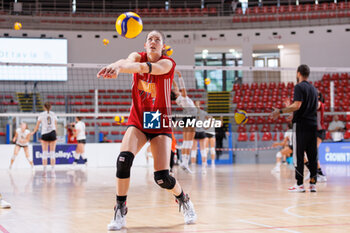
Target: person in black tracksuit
<point x="304" y="128"/>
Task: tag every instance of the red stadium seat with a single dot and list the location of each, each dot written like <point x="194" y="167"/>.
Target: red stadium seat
<point x="84" y="110"/>
<point x="236" y="87"/>
<point x="251" y="120"/>
<point x="265" y="128"/>
<point x="241" y="129"/>
<point x="253" y="128"/>
<point x="242" y="137"/>
<point x="347" y="134"/>
<point x="266" y="136"/>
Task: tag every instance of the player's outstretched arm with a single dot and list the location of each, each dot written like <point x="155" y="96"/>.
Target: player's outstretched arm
<point x="181" y="84"/>
<point x="133" y="65"/>
<point x="36" y="128"/>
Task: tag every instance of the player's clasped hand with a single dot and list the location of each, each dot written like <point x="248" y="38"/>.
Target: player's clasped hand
<point x="109" y="72"/>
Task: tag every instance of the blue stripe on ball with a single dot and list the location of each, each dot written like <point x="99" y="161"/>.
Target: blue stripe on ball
<point x="138" y="19"/>
<point x="124" y="25"/>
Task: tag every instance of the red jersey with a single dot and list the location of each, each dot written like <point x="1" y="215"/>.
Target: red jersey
<point x="71" y="138"/>
<point x="151" y="93"/>
<point x="320" y="118"/>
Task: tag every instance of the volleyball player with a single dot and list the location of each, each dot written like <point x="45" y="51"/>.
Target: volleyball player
<point x="201" y="137"/>
<point x="48" y="121"/>
<point x="304" y="121"/>
<point x="4" y="204"/>
<point x="321" y="134"/>
<point x="153" y="74"/>
<point x="179" y="94"/>
<point x="287" y="150"/>
<point x="81" y="139"/>
<point x="21" y="139"/>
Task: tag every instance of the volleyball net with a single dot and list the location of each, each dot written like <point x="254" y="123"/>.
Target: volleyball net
<point x="104" y="104"/>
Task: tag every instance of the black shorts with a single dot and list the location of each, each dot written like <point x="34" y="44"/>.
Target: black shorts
<point x="199" y="135"/>
<point x="187" y="119"/>
<point x="209" y="135"/>
<point x="83" y="141"/>
<point x="21" y="145"/>
<point x="49" y="137"/>
<point x="150" y="136"/>
<point x="321" y="134"/>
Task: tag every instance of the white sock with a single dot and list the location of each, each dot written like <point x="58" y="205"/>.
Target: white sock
<point x="278" y="164"/>
<point x="52" y="157"/>
<point x="193" y="153"/>
<point x="83" y="155"/>
<point x="204" y="156"/>
<point x="185" y="159"/>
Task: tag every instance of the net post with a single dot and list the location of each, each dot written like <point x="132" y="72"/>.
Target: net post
<point x="95" y="118"/>
<point x="8" y="133"/>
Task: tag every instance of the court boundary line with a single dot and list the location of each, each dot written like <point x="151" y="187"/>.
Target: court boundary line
<point x="258" y="228"/>
<point x="286" y="210"/>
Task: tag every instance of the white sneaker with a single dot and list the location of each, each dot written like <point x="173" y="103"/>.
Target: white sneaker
<point x="187" y="209"/>
<point x="297" y="189"/>
<point x="4" y="204"/>
<point x="204" y="170"/>
<point x="321" y="178"/>
<point x="119" y="221"/>
<point x="276" y="169"/>
<point x="186" y="168"/>
<point x="313" y="188"/>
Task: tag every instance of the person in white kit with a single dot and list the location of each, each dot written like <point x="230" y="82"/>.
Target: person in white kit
<point x="81" y="138"/>
<point x="21" y="139"/>
<point x="48" y="121"/>
<point x="336" y="128"/>
<point x="201" y="136"/>
<point x="287" y="150"/>
<point x="189" y="109"/>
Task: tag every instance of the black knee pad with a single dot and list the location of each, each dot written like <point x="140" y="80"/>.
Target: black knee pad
<point x="124" y="163"/>
<point x="164" y="179"/>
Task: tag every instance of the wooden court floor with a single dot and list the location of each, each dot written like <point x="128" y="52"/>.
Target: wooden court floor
<point x="229" y="198"/>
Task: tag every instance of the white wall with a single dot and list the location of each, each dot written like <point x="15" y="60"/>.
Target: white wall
<point x="289" y="57"/>
<point x="317" y="49"/>
<point x="98" y="154"/>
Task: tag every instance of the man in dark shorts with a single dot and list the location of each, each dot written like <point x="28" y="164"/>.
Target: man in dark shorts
<point x="304" y="121"/>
